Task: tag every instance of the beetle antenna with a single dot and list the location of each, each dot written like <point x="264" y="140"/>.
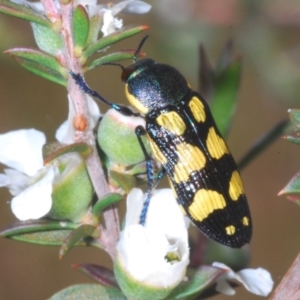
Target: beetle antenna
<point x="139" y="47"/>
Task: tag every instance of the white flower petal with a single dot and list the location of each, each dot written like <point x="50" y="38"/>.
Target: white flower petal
<point x="257" y="281"/>
<point x="108" y="22"/>
<point x="135" y="201"/>
<point x="93" y="110"/>
<point x="137" y="7"/>
<point x="35" y="201"/>
<point x="224" y="287"/>
<point x="163" y="202"/>
<point x="142" y="250"/>
<point x="14" y="180"/>
<point x="66" y="131"/>
<point x="4" y="180"/>
<point x="22" y="150"/>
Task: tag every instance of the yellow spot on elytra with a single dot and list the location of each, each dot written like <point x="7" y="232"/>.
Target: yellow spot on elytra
<point x="135" y="102"/>
<point x="157" y="153"/>
<point x="230" y="230"/>
<point x="235" y="186"/>
<point x="197" y="109"/>
<point x="246" y="221"/>
<point x="190" y="158"/>
<point x="204" y="203"/>
<point x="215" y="144"/>
<point x="172" y="122"/>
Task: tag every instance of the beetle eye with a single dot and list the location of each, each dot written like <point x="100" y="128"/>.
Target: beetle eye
<point x="127" y="72"/>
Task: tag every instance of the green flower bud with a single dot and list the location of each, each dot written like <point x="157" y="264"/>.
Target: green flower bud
<point x="117" y="138"/>
<point x="72" y="188"/>
<point x="138" y="290"/>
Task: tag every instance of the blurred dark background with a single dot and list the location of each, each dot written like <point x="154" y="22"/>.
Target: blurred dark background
<point x="267" y="35"/>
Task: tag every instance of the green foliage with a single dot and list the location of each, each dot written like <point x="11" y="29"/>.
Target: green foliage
<point x="23" y="12"/>
<point x="89" y="292"/>
<point x="292" y="189"/>
<point x="109" y="199"/>
<point x="40" y="63"/>
<point x="75" y="237"/>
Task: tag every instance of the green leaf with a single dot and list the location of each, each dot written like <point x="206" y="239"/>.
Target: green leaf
<point x="197" y="281"/>
<point x="293" y="187"/>
<point x="80" y="27"/>
<point x="89" y="292"/>
<point x="32" y="226"/>
<point x="295" y="139"/>
<point x="295" y="118"/>
<point x="76" y="236"/>
<point x="112" y="58"/>
<point x="43" y="232"/>
<point x="23" y="12"/>
<point x="294" y="198"/>
<point x="263" y="142"/>
<point x="55" y="149"/>
<point x="95" y="25"/>
<point x="224" y="98"/>
<point x="46" y="238"/>
<point x="47" y="39"/>
<point x="106" y="201"/>
<point x="113" y="38"/>
<point x="101" y="274"/>
<point x="39" y="63"/>
<point x="126" y="182"/>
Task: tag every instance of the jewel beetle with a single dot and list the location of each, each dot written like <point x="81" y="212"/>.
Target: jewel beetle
<point x="184" y="138"/>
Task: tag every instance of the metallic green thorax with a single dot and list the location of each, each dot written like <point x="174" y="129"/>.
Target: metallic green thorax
<point x="155" y="85"/>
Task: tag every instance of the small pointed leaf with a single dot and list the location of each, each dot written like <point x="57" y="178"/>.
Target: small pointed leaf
<point x="223" y="101"/>
<point x="47" y="39"/>
<point x="55" y="149"/>
<point x="46" y="238"/>
<point x="106" y="201"/>
<point x="80" y="27"/>
<point x="293" y="187"/>
<point x="295" y="118"/>
<point x="23" y="12"/>
<point x="263" y="142"/>
<point x="101" y="274"/>
<point x="112" y="57"/>
<point x="22" y="227"/>
<point x="115" y="37"/>
<point x="95" y="25"/>
<point x="126" y="182"/>
<point x="39" y="63"/>
<point x="198" y="280"/>
<point x="295" y="139"/>
<point x="89" y="292"/>
<point x="74" y="237"/>
<point x="294" y="198"/>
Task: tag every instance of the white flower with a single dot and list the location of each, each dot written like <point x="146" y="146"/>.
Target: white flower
<point x="257" y="281"/>
<point x="111" y="24"/>
<point x="65" y="132"/>
<point x="92" y="8"/>
<point x="28" y="181"/>
<point x="156" y="254"/>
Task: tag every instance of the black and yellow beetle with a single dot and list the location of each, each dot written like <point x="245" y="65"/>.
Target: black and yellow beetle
<point x="185" y="140"/>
